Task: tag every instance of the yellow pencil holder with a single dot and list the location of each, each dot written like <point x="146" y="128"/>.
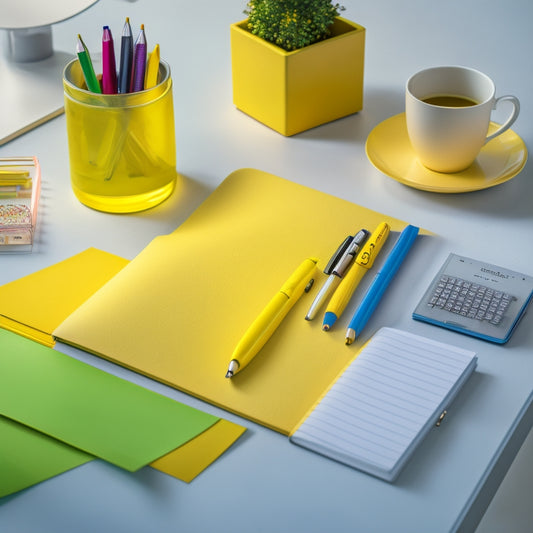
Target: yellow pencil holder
<point x="122" y="147"/>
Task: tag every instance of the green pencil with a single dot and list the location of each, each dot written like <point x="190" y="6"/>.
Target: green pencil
<point x="87" y="66"/>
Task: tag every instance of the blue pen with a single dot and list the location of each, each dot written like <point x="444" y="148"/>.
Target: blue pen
<point x="381" y="282"/>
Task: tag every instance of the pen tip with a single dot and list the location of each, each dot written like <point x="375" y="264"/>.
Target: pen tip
<point x="325" y="327"/>
<point x="351" y="334"/>
<point x="232" y="368"/>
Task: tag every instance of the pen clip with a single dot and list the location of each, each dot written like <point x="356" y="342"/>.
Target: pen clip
<point x="335" y="258"/>
<point x="350" y="253"/>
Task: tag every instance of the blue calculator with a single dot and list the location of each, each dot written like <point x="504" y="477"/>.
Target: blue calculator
<point x="476" y="298"/>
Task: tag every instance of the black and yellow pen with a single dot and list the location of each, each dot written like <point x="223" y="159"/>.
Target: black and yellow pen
<point x="363" y="263"/>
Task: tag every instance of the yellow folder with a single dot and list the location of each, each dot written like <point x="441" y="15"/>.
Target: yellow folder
<point x="33" y="306"/>
<point x="192" y="294"/>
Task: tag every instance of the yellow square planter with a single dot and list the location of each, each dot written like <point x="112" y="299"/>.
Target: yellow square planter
<point x="293" y="91"/>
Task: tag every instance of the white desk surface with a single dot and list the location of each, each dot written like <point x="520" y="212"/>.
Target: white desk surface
<point x="265" y="484"/>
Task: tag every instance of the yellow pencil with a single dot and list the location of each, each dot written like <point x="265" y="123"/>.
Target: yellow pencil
<point x="152" y="69"/>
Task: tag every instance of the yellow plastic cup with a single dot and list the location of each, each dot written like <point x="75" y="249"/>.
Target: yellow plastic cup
<point x="122" y="147"/>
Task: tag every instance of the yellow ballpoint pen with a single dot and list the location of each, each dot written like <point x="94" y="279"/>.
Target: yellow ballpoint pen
<point x="270" y="318"/>
<point x="363" y="263"/>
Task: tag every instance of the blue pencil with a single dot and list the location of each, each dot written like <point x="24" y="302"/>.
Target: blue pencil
<point x="381" y="282"/>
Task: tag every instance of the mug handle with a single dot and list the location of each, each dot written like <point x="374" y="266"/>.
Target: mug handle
<point x="509" y="122"/>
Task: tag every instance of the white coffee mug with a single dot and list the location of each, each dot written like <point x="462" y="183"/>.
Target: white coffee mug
<point x="448" y="131"/>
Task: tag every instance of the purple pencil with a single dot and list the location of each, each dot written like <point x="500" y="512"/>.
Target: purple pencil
<point x="139" y="62"/>
<point x="109" y="69"/>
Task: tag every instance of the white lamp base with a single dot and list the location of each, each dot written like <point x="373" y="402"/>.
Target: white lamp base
<point x="29" y="44"/>
<point x="31" y="86"/>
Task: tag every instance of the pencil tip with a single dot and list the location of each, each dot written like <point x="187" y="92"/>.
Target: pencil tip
<point x="128" y="19"/>
<point x="329" y="319"/>
<point x="142" y="26"/>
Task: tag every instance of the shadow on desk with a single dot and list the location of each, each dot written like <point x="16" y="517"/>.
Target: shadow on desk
<point x="511" y="509"/>
<point x="379" y="104"/>
<point x="187" y="196"/>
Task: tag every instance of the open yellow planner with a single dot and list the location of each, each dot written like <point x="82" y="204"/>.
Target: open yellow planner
<point x="177" y="310"/>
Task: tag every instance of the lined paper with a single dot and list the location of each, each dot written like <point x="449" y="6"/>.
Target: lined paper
<point x="379" y="408"/>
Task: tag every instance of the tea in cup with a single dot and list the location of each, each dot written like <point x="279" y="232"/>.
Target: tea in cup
<point x="448" y="111"/>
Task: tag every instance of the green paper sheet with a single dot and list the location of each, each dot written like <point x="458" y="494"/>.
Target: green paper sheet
<point x="28" y="457"/>
<point x="90" y="409"/>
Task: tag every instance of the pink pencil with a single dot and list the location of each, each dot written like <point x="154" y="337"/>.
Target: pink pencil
<point x="109" y="69"/>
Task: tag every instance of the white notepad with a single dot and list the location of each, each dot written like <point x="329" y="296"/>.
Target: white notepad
<point x="385" y="402"/>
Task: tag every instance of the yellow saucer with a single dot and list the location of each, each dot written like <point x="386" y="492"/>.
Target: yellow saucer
<point x="388" y="148"/>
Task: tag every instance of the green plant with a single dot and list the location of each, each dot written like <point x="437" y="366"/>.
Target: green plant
<point x="291" y="24"/>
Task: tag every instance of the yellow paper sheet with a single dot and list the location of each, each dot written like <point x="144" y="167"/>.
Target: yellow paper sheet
<point x="36" y="304"/>
<point x="192" y="458"/>
<point x="192" y="294"/>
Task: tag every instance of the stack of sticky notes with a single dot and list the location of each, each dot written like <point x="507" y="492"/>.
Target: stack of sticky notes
<point x="20" y="187"/>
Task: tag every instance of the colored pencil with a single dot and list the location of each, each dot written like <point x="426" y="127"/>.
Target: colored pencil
<point x="152" y="68"/>
<point x="139" y="62"/>
<point x="109" y="69"/>
<point x="126" y="58"/>
<point x="87" y="66"/>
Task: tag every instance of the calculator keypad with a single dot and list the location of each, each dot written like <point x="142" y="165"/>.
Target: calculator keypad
<point x="469" y="299"/>
<point x="476" y="298"/>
